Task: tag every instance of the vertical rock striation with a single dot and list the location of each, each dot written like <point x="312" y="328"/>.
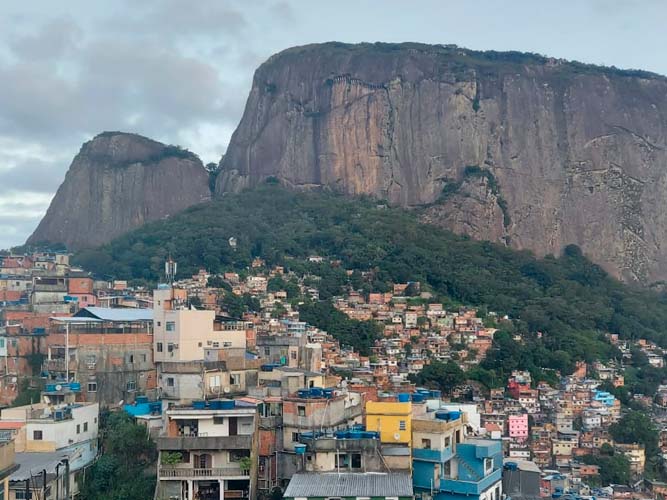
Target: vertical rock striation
<point x="116" y="183"/>
<point x="516" y="148"/>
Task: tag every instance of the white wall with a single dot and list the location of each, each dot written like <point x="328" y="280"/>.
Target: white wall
<point x="63" y="431"/>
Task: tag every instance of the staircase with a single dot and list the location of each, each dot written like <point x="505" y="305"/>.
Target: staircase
<point x="468" y="468"/>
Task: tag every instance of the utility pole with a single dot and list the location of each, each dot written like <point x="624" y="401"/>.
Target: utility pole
<point x="58" y="480"/>
<point x="67" y="493"/>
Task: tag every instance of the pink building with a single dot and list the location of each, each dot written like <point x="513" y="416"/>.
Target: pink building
<point x="517" y="426"/>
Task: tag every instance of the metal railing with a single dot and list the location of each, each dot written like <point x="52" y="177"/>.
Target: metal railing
<point x="180" y="472"/>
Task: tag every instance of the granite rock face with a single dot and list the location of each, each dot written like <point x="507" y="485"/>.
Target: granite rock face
<point x="516" y="148"/>
<point x="116" y="183"/>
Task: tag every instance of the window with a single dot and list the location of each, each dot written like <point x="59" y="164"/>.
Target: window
<point x="37" y="435"/>
<point x="267" y="351"/>
<point x="159" y="323"/>
<point x="401" y="425"/>
<point x="237" y="455"/>
<point x="144" y="358"/>
<point x="159" y="347"/>
<point x="92" y="386"/>
<point x="488" y="465"/>
<point x="95" y="420"/>
<point x="301" y="411"/>
<point x="292" y="354"/>
<point x="235" y="379"/>
<point x="130" y="358"/>
<point x="218" y="420"/>
<point x="170" y="382"/>
<point x="20" y="494"/>
<point x="295" y="437"/>
<point x="131" y="385"/>
<point x="216" y="344"/>
<point x="171" y="326"/>
<point x="426" y="444"/>
<point x="78" y="428"/>
<point x="85" y="427"/>
<point x="215" y="381"/>
<point x="448" y="441"/>
<point x="198" y="344"/>
<point x="2" y="343"/>
<point x="355" y="460"/>
<point x="226" y="344"/>
<point x="170" y="347"/>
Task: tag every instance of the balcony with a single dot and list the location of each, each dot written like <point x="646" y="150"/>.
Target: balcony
<point x="332" y="444"/>
<point x="439" y="456"/>
<point x="205" y="443"/>
<point x="470" y="487"/>
<point x="166" y="472"/>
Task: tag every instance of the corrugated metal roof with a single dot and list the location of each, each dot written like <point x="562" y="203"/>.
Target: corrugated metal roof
<point x="117" y="314"/>
<point x="32" y="464"/>
<point x="349" y="484"/>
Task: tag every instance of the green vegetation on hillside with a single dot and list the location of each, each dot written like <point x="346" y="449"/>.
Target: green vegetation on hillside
<point x="569" y="300"/>
<point x="122" y="470"/>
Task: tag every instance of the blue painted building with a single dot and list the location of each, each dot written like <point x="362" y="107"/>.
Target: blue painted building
<point x="604" y="397"/>
<point x="447" y="465"/>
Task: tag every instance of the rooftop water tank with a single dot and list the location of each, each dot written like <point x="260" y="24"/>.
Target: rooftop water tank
<point x="300" y="449"/>
<point x="442" y="415"/>
<point x="199" y="405"/>
<point x="403" y="397"/>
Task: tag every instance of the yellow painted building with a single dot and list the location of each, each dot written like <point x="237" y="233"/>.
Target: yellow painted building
<point x="392" y="420"/>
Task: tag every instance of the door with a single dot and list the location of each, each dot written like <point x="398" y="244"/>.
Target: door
<point x="233" y="426"/>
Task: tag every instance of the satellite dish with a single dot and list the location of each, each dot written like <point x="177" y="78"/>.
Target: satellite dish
<point x="59" y="387"/>
<point x="227" y="390"/>
<point x="397" y="436"/>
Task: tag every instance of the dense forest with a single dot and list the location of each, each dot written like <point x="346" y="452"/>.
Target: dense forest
<point x="571" y="302"/>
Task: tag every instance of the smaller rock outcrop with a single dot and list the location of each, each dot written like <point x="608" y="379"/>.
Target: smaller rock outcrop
<point x="118" y="182"/>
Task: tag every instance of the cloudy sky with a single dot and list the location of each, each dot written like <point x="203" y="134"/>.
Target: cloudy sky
<point x="180" y="70"/>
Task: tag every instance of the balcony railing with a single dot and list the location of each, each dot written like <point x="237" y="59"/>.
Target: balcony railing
<point x="198" y="473"/>
<point x="242" y="442"/>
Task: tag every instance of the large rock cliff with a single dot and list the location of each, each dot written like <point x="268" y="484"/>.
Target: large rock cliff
<point x="517" y="148"/>
<point x="118" y="182"/>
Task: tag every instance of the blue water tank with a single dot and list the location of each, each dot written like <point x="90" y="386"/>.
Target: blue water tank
<point x="227" y="404"/>
<point x="453" y="415"/>
<point x="435" y="394"/>
<point x="340" y="434"/>
<point x="442" y="415"/>
<point x="511" y="466"/>
<point x="403" y="397"/>
<point x="417" y="398"/>
<point x="316" y="392"/>
<point x="300" y="449"/>
<point x="266" y="368"/>
<point x="50" y="387"/>
<point x="355" y="434"/>
<point x="303" y="393"/>
<point x="199" y="405"/>
<point x="328" y="393"/>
